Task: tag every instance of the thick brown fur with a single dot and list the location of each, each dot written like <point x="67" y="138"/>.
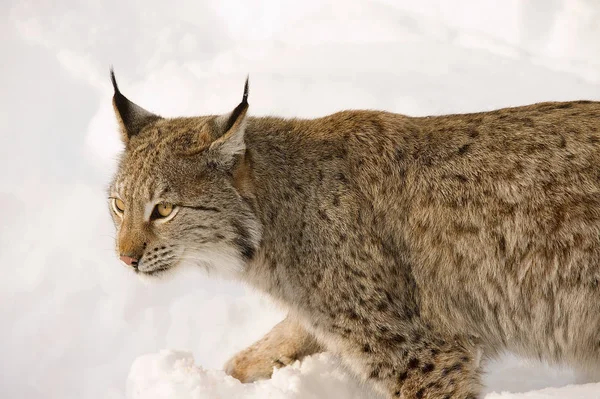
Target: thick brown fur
<point x="411" y="247"/>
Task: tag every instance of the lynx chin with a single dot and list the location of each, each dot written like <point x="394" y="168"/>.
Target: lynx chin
<point x="413" y="248"/>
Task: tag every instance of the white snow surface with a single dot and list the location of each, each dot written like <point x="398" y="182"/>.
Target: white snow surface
<point x="76" y="323"/>
<point x="172" y="374"/>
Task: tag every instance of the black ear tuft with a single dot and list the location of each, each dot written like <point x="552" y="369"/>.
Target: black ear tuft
<point x="239" y="110"/>
<point x="114" y="80"/>
<point x="245" y="97"/>
<point x="131" y="116"/>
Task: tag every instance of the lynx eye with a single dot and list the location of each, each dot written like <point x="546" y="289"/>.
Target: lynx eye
<point x="162" y="210"/>
<point x="118" y="205"/>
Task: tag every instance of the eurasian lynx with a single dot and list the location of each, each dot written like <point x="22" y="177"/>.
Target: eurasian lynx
<point x="411" y="247"/>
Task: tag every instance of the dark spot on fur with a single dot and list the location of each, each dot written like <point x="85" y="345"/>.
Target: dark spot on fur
<point x="374" y="374"/>
<point x="466" y="228"/>
<point x="323" y="215"/>
<point x="389" y="297"/>
<point x="402" y="376"/>
<point x="535" y="147"/>
<point x="563" y="141"/>
<point x="341" y="177"/>
<point x="413" y="363"/>
<point x="352" y="315"/>
<point x="243" y="241"/>
<point x="461" y="178"/>
<point x="397" y="393"/>
<point x="246" y="250"/>
<point x="399" y="338"/>
<point x="428" y="368"/>
<point x="398" y="155"/>
<point x="420" y="393"/>
<point x="383" y="329"/>
<point x="527" y="122"/>
<point x="336" y="200"/>
<point x="367" y="348"/>
<point x="564" y="106"/>
<point x="453" y="368"/>
<point x="502" y="245"/>
<point x="463" y="150"/>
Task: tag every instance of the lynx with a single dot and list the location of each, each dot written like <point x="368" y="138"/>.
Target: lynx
<point x="414" y="248"/>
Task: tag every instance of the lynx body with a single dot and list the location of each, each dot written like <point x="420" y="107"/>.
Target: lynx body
<point x="411" y="247"/>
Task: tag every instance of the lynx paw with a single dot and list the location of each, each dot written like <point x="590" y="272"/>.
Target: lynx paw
<point x="248" y="366"/>
<point x="287" y="342"/>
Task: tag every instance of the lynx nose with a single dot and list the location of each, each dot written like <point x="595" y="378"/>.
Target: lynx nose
<point x="129" y="261"/>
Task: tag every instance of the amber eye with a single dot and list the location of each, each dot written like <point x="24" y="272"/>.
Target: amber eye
<point x="162" y="210"/>
<point x="118" y="205"/>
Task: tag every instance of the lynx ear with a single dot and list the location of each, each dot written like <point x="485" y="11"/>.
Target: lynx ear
<point x="229" y="132"/>
<point x="131" y="117"/>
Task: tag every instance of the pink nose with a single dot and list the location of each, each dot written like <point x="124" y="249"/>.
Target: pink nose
<point x="129" y="261"/>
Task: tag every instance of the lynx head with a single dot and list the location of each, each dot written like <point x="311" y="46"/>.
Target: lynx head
<point x="174" y="198"/>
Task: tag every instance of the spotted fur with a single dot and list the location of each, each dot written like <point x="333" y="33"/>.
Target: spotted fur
<point x="411" y="247"/>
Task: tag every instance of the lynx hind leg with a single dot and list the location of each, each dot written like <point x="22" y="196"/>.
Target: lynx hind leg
<point x="287" y="342"/>
<point x="429" y="370"/>
<point x="452" y="374"/>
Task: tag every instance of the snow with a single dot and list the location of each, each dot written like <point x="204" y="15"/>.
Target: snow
<point x="76" y="324"/>
<point x="173" y="374"/>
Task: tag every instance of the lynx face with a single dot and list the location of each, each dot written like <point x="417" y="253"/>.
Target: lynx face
<point x="173" y="199"/>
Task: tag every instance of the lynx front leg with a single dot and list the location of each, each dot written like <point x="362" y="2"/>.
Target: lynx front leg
<point x="421" y="367"/>
<point x="284" y="344"/>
